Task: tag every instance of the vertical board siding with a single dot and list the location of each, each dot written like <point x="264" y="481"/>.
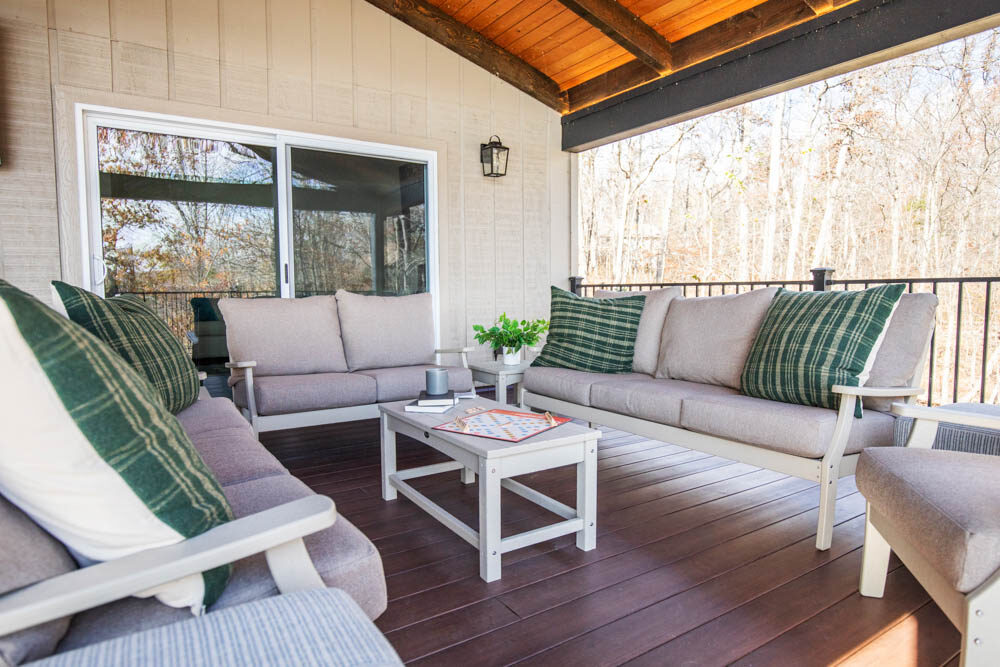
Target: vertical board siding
<point x="341" y="63"/>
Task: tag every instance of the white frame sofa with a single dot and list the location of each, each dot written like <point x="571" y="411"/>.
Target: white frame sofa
<point x="902" y="357"/>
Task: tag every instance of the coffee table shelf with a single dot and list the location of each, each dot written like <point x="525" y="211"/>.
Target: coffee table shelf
<point x="495" y="462"/>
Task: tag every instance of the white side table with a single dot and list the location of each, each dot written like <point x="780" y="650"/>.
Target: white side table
<point x="500" y="375"/>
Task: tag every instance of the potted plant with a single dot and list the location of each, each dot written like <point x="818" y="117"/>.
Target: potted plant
<point x="510" y="336"/>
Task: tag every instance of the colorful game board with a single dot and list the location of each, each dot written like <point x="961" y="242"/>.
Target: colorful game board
<point x="502" y="424"/>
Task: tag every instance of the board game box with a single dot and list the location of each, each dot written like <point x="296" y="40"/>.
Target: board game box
<point x="502" y="424"/>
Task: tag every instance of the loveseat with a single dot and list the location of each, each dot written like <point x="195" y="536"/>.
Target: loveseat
<point x="685" y="389"/>
<point x="273" y="510"/>
<point x="326" y="359"/>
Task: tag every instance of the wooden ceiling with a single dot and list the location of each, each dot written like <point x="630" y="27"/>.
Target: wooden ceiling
<point x="570" y="54"/>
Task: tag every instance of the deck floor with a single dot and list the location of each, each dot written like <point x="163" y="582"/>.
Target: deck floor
<point x="699" y="561"/>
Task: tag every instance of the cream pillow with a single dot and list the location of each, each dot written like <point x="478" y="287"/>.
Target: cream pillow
<point x="707" y="339"/>
<point x="647" y="338"/>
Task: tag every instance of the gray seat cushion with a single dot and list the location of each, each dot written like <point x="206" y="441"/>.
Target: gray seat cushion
<point x="800" y="430"/>
<point x="234" y="455"/>
<point x="386" y="331"/>
<point x="904" y="347"/>
<point x="283" y="394"/>
<point x="403" y="382"/>
<point x="707" y="339"/>
<point x="29" y="554"/>
<point x="315" y="627"/>
<point x="651" y="399"/>
<point x="647" y="337"/>
<point x="343" y="556"/>
<point x="210" y="414"/>
<point x="285" y="336"/>
<point x="944" y="503"/>
<point x="569" y="385"/>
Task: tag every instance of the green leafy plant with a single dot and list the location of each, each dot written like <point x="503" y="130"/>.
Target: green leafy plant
<point x="507" y="332"/>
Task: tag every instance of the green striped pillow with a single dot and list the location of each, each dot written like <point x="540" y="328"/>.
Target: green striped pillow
<point x="810" y="341"/>
<point x="89" y="452"/>
<point x="596" y="335"/>
<point x="138" y="334"/>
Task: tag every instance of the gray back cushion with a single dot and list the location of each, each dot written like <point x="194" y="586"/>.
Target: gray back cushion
<point x="707" y="339"/>
<point x="903" y="348"/>
<point x="29" y="554"/>
<point x="386" y="331"/>
<point x="285" y="336"/>
<point x="647" y="338"/>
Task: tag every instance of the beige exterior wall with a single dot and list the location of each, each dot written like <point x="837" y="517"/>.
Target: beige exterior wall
<point x="334" y="67"/>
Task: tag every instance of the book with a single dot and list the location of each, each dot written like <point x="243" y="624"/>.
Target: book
<point x="465" y="394"/>
<point x="436" y="409"/>
<point x="426" y="399"/>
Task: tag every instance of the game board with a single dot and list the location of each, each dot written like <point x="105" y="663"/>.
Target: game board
<point x="502" y="424"/>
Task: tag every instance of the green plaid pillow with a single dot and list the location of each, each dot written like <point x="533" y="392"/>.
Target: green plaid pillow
<point x="810" y="341"/>
<point x="142" y="339"/>
<point x="596" y="335"/>
<point x="88" y="450"/>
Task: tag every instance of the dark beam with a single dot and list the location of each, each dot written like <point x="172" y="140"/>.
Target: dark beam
<point x="627" y="29"/>
<point x="746" y="27"/>
<point x="861" y="34"/>
<point x="469" y="44"/>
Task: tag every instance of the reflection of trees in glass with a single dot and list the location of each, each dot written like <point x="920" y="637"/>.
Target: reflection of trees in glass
<point x="333" y="250"/>
<point x="169" y="236"/>
<point x="405" y="252"/>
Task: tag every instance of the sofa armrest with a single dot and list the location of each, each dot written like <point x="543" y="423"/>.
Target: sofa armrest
<point x="241" y="364"/>
<point x="277" y="532"/>
<point x="877" y="392"/>
<point x="926" y="420"/>
<point x="246" y="368"/>
<point x="463" y="353"/>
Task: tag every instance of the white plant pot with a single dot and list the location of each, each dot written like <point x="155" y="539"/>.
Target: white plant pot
<point x="511" y="357"/>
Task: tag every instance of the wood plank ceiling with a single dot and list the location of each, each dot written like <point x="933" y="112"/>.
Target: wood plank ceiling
<point x="570" y="54"/>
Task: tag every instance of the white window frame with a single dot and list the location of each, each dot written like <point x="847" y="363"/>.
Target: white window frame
<point x="89" y="117"/>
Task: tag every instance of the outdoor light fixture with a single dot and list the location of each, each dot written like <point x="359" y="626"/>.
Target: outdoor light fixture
<point x="494" y="157"/>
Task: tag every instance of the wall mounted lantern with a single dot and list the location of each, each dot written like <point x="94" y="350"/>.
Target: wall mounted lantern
<point x="494" y="157"/>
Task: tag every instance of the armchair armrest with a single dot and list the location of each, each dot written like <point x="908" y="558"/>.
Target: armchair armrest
<point x="877" y="392"/>
<point x="278" y="532"/>
<point x="926" y="420"/>
<point x="463" y="352"/>
<point x="241" y="364"/>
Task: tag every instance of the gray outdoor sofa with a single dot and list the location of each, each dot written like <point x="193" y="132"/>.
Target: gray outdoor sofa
<point x="326" y="359"/>
<point x="64" y="608"/>
<point x="689" y="355"/>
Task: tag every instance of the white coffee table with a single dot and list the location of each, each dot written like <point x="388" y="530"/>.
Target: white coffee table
<point x="495" y="461"/>
<point x="500" y="375"/>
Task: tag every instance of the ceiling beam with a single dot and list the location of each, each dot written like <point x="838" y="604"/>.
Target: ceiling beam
<point x="627" y="29"/>
<point x="472" y="46"/>
<point x="864" y="33"/>
<point x="820" y="6"/>
<point x="743" y="28"/>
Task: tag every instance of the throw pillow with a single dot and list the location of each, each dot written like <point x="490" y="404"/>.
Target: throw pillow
<point x="89" y="452"/>
<point x="386" y="331"/>
<point x="810" y="341"/>
<point x="647" y="338"/>
<point x="595" y="335"/>
<point x="707" y="339"/>
<point x="140" y="337"/>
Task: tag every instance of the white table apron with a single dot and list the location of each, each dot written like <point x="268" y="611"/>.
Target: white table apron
<point x="494" y="473"/>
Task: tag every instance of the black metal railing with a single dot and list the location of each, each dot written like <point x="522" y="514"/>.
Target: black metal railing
<point x="964" y="359"/>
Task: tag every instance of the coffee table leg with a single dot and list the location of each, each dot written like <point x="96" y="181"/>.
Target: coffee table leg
<point x="586" y="497"/>
<point x="489" y="521"/>
<point x="388" y="459"/>
<point x="468" y="475"/>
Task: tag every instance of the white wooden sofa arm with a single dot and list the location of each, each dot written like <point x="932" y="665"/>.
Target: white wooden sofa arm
<point x="877" y="392"/>
<point x="277" y="532"/>
<point x="463" y="353"/>
<point x="247" y="369"/>
<point x="926" y="420"/>
<point x="241" y="364"/>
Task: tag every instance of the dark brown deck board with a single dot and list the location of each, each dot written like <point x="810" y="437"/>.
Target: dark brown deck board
<point x="698" y="559"/>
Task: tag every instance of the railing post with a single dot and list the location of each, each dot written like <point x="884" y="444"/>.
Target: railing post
<point x="821" y="279"/>
<point x="575" y="283"/>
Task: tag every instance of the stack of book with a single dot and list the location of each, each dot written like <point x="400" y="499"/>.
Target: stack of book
<point x="432" y="403"/>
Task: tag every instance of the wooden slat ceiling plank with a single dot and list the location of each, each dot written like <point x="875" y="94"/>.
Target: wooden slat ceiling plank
<point x="583" y="44"/>
<point x="472" y="9"/>
<point x="598" y="61"/>
<point x="471" y="45"/>
<point x="626" y="29"/>
<point x="450" y="6"/>
<point x="677" y="28"/>
<point x="567" y="27"/>
<point x="529" y="25"/>
<point x="654" y="11"/>
<point x="490" y="13"/>
<point x="751" y="25"/>
<point x="597" y="71"/>
<point x="516" y="14"/>
<point x="560" y="20"/>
